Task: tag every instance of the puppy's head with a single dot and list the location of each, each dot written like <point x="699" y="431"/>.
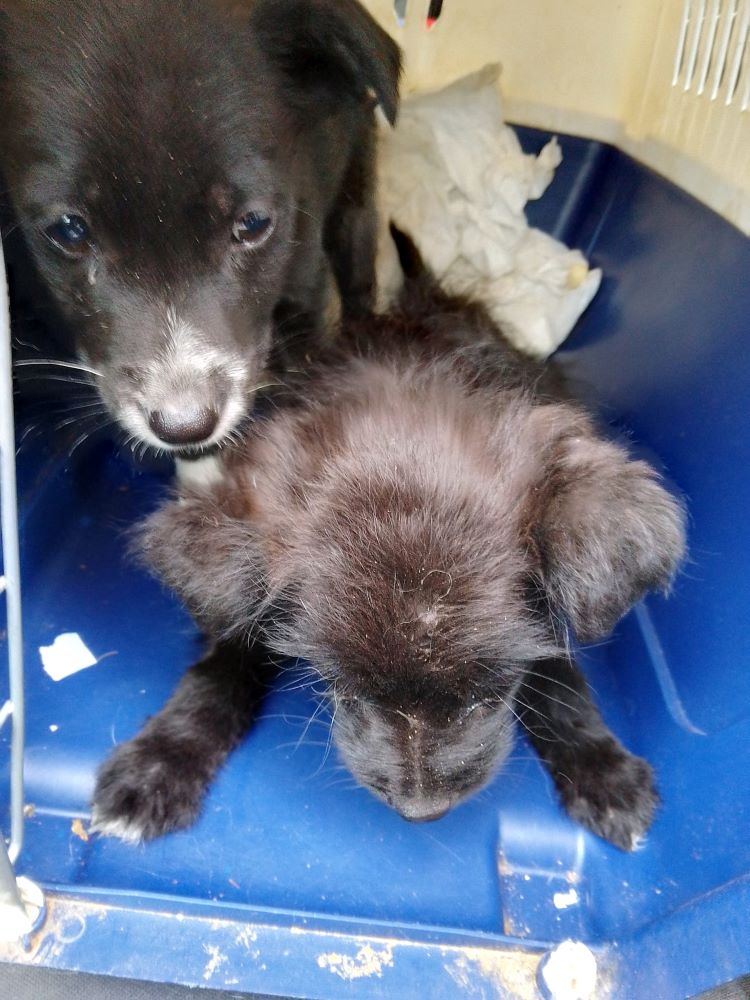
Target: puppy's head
<point x="408" y="592"/>
<point x="140" y="155"/>
<point x="432" y="581"/>
<point x="151" y="155"/>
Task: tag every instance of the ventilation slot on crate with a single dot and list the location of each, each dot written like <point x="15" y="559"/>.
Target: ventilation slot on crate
<point x="713" y="53"/>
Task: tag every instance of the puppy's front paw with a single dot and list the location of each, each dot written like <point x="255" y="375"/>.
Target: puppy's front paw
<point x="609" y="791"/>
<point x="147" y="788"/>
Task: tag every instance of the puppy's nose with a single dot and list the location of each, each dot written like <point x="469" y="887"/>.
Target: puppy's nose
<point x="188" y="425"/>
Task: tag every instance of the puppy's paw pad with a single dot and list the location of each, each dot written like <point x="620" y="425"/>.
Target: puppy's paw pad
<point x="143" y="792"/>
<point x="611" y="793"/>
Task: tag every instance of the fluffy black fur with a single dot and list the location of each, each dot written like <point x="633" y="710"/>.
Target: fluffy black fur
<point x="158" y="780"/>
<point x="163" y="123"/>
<point x="423" y="519"/>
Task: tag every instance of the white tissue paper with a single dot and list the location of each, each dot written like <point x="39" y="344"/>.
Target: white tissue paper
<point x="452" y="174"/>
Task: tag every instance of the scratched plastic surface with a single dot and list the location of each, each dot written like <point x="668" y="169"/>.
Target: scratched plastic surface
<point x="664" y="351"/>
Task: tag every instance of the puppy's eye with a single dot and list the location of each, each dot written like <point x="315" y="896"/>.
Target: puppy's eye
<point x="71" y="234"/>
<point x="253" y="228"/>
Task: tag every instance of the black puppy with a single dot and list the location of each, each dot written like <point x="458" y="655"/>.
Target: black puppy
<point x="188" y="173"/>
<point x="423" y="521"/>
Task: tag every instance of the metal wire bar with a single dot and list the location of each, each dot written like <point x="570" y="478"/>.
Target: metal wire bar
<point x="12" y="570"/>
<point x="10" y="895"/>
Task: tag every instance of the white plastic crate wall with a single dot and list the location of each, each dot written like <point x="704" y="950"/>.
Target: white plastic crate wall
<point x="666" y="80"/>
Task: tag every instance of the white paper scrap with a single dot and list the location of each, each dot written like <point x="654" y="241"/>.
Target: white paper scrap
<point x="67" y="655"/>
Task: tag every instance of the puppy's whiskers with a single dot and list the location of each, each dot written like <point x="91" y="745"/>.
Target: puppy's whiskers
<point x="53" y="362"/>
<point x="322" y="707"/>
<point x="88" y="433"/>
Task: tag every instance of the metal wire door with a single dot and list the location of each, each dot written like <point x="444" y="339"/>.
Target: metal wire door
<point x="16" y="912"/>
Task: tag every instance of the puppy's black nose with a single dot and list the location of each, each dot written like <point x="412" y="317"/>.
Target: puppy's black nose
<point x="426" y="817"/>
<point x="189" y="425"/>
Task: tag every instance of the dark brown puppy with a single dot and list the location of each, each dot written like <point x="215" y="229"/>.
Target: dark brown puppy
<point x="423" y="521"/>
<point x="188" y="173"/>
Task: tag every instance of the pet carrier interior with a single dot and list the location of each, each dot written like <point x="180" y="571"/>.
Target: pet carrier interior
<point x="296" y="883"/>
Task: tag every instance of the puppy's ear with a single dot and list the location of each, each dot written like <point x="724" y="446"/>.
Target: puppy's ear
<point x="210" y="559"/>
<point x="331" y="42"/>
<point x="609" y="533"/>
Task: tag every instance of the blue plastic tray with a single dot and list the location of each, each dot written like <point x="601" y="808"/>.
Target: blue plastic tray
<point x="294" y="881"/>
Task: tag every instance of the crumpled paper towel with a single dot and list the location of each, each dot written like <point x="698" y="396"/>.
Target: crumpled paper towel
<point x="453" y="176"/>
